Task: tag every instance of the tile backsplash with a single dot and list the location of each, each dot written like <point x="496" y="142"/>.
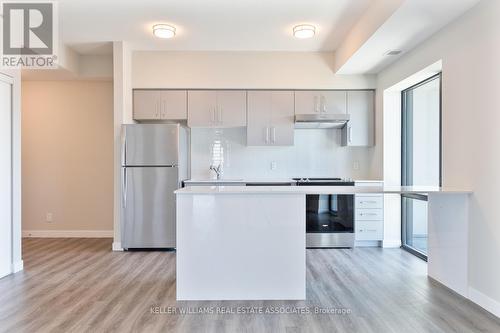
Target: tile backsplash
<point x="316" y="153"/>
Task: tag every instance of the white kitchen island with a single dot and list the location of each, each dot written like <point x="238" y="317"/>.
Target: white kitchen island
<point x="248" y="243"/>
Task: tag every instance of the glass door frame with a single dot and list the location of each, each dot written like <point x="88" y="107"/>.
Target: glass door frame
<point x="406" y="165"/>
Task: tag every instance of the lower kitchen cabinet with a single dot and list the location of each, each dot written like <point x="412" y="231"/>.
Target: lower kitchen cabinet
<point x="369" y="214"/>
<point x="270" y="118"/>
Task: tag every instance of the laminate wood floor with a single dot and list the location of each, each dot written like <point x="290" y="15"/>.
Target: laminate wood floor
<point x="80" y="285"/>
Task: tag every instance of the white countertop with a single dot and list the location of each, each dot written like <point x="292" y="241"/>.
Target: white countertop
<point x="320" y="190"/>
<point x="240" y="180"/>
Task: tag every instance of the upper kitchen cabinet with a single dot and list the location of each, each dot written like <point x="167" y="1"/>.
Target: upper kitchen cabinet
<point x="321" y="101"/>
<point x="270" y="118"/>
<point x="217" y="108"/>
<point x="160" y="104"/>
<point x="360" y="129"/>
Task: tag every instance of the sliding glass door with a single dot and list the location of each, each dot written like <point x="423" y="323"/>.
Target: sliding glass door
<point x="420" y="158"/>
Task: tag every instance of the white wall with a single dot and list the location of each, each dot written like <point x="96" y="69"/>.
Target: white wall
<point x="316" y="153"/>
<point x="67" y="157"/>
<point x="256" y="70"/>
<point x="470" y="52"/>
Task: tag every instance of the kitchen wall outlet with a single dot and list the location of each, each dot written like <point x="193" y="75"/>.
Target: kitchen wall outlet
<point x="355" y="165"/>
<point x="49" y="218"/>
<point x="273" y="165"/>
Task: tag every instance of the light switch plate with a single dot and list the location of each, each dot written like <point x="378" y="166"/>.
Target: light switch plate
<point x="355" y="165"/>
<point x="49" y="218"/>
<point x="273" y="165"/>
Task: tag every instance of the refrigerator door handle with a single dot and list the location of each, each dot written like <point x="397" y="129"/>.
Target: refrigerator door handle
<point x="124" y="146"/>
<point x="124" y="188"/>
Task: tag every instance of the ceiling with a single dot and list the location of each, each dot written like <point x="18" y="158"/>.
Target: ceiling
<point x="209" y="25"/>
<point x="413" y="22"/>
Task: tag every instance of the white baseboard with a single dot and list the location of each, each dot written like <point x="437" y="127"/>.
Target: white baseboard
<point x="117" y="246"/>
<point x="364" y="243"/>
<point x="68" y="233"/>
<point x="486" y="302"/>
<point x="391" y="243"/>
<point x="17" y="266"/>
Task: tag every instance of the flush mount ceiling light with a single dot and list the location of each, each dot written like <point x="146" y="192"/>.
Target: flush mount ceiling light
<point x="163" y="31"/>
<point x="304" y="31"/>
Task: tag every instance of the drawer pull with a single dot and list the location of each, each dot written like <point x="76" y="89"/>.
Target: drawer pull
<point x="368" y="214"/>
<point x="372" y="201"/>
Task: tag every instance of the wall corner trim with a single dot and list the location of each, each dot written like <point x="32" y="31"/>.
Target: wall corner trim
<point x="17" y="266"/>
<point x="117" y="246"/>
<point x="484" y="301"/>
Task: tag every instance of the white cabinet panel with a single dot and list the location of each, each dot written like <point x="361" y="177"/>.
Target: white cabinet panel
<point x="202" y="105"/>
<point x="307" y="102"/>
<point x="282" y="118"/>
<point x="363" y="202"/>
<point x="259" y="118"/>
<point x="231" y="108"/>
<point x="360" y="130"/>
<point x="333" y="102"/>
<point x="174" y="104"/>
<point x="147" y="104"/>
<point x="217" y="108"/>
<point x="160" y="105"/>
<point x="369" y="230"/>
<point x="253" y="249"/>
<point x="270" y="118"/>
<point x="320" y="101"/>
<point x="369" y="214"/>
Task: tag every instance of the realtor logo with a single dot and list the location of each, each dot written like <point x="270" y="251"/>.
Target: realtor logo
<point x="29" y="34"/>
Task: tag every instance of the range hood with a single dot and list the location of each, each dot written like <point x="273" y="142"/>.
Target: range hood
<point x="321" y="120"/>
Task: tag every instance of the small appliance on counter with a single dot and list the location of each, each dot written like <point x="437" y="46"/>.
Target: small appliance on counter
<point x="155" y="161"/>
<point x="329" y="217"/>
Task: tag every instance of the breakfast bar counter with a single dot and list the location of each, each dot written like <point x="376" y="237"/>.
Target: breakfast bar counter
<point x="248" y="243"/>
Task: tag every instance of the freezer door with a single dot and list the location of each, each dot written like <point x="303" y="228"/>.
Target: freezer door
<point x="148" y="206"/>
<point x="150" y="144"/>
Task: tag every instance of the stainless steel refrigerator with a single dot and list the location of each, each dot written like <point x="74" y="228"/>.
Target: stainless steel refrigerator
<point x="155" y="161"/>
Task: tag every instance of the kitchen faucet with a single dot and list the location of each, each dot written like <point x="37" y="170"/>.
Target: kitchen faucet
<point x="217" y="170"/>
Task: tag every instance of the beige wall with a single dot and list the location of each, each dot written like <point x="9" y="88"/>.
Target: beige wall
<point x="470" y="52"/>
<point x="240" y="70"/>
<point x="67" y="155"/>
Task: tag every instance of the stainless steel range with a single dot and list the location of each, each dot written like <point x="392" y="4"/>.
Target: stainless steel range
<point x="329" y="217"/>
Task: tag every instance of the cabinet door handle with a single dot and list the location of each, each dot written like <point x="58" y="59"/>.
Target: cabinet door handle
<point x="349" y="133"/>
<point x="323" y="105"/>
<point x="316" y="104"/>
<point x="164" y="110"/>
<point x="213" y="115"/>
<point x="219" y="115"/>
<point x="267" y="134"/>
<point x="273" y="131"/>
<point x="374" y="202"/>
<point x="368" y="214"/>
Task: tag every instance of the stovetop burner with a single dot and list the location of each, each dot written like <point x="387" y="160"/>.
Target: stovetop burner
<point x="323" y="182"/>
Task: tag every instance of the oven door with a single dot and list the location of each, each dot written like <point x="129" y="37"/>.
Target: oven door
<point x="330" y="213"/>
